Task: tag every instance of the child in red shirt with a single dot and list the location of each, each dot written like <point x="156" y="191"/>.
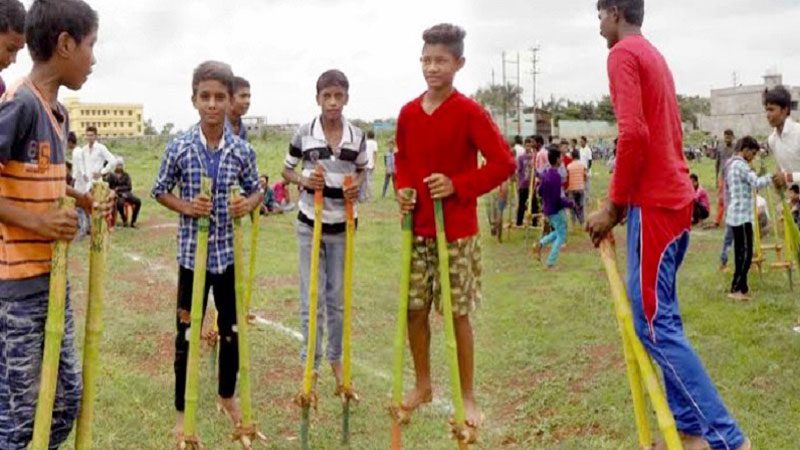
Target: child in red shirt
<point x="438" y="137"/>
<point x="650" y="186"/>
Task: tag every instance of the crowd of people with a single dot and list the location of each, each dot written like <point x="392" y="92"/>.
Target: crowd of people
<point x="651" y="191"/>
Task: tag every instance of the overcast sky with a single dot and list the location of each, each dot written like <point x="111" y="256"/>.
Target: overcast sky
<point x="147" y="49"/>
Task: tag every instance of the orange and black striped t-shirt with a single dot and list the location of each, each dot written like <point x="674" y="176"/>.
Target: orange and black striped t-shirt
<point x="32" y="175"/>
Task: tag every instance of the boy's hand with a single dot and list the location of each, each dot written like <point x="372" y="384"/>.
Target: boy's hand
<point x="781" y="180"/>
<point x="351" y="193"/>
<point x="200" y="206"/>
<point x="316" y="180"/>
<point x="58" y="224"/>
<point x="440" y="186"/>
<point x="407" y="203"/>
<point x="88" y="204"/>
<point x="240" y="206"/>
<point x="600" y="223"/>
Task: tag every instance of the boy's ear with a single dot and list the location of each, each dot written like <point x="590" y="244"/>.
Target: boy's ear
<point x="461" y="62"/>
<point x="65" y="45"/>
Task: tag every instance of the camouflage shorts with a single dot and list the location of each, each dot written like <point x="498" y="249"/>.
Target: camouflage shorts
<point x="465" y="275"/>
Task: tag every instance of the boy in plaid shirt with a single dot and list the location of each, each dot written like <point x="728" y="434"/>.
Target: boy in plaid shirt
<point x="740" y="180"/>
<point x="211" y="149"/>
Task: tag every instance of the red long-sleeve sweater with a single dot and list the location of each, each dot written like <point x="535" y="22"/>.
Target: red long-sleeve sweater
<point x="448" y="142"/>
<point x="651" y="170"/>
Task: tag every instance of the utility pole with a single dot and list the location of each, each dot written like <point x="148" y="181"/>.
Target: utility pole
<point x="519" y="100"/>
<point x="505" y="92"/>
<point x="534" y="73"/>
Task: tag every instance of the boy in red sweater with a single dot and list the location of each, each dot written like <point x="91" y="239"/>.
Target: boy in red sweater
<point x="438" y="137"/>
<point x="651" y="186"/>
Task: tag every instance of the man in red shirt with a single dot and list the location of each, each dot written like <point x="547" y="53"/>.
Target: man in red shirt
<point x="651" y="184"/>
<point x="439" y="135"/>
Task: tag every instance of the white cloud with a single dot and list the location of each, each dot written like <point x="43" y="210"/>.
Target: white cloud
<point x="147" y="49"/>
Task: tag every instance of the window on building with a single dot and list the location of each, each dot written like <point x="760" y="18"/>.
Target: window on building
<point x="130" y="113"/>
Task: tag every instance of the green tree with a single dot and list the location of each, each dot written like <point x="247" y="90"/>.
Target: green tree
<point x="149" y="129"/>
<point x="496" y="96"/>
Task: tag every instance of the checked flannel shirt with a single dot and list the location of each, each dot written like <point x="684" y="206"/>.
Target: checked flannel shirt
<point x="740" y="180"/>
<point x="183" y="164"/>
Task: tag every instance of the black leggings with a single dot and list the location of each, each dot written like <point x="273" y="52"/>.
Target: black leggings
<point x="225" y="301"/>
<point x="743" y="252"/>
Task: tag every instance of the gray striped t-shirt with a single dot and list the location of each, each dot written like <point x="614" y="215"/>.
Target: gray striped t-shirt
<point x="310" y="147"/>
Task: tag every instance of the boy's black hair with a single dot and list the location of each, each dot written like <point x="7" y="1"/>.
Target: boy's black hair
<point x="795" y="188"/>
<point x="778" y="96"/>
<point x="539" y="139"/>
<point x="528" y="140"/>
<point x="631" y="10"/>
<point x="240" y="83"/>
<point x="563" y="142"/>
<point x="694" y="177"/>
<point x="728" y="132"/>
<point x="212" y="70"/>
<point x="747" y="143"/>
<point x="574" y="141"/>
<point x="553" y="155"/>
<point x="575" y="154"/>
<point x="331" y="78"/>
<point x="584" y="138"/>
<point x="446" y="34"/>
<point x="517" y="139"/>
<point x="12" y="16"/>
<point x="370" y="134"/>
<point x="91" y="128"/>
<point x="72" y="138"/>
<point x="47" y="19"/>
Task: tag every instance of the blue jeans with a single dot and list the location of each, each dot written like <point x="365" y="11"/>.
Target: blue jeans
<point x="330" y="306"/>
<point x="652" y="270"/>
<point x="557" y="237"/>
<point x="21" y="349"/>
<point x="727" y="243"/>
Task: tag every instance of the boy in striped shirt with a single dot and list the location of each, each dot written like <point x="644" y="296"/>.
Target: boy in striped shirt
<point x="327" y="149"/>
<point x="33" y="176"/>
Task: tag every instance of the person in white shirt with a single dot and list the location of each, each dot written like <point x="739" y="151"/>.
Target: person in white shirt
<point x="586" y="152"/>
<point x="91" y="162"/>
<point x="785" y="138"/>
<point x="372" y="150"/>
<point x="519" y="149"/>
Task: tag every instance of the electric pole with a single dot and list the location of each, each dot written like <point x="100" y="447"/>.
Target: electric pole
<point x="534" y="73"/>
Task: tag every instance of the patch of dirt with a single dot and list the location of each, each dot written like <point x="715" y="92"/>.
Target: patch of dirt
<point x="151" y="292"/>
<point x="161" y="354"/>
<point x="602" y="358"/>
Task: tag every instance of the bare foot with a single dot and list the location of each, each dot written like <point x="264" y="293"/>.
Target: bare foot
<point x="336" y="368"/>
<point x="230" y="407"/>
<point x="418" y="396"/>
<point x="178" y="430"/>
<point x="473" y="414"/>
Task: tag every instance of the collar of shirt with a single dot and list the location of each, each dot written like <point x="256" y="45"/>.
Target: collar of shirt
<point x="318" y="133"/>
<point x="204" y="141"/>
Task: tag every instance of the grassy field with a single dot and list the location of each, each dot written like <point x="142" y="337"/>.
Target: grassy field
<point x="550" y="373"/>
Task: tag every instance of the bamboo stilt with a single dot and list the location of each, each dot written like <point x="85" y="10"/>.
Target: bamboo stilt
<point x="307" y="398"/>
<point x="246" y="432"/>
<point x="460" y="430"/>
<point x="191" y="439"/>
<point x="53" y="336"/>
<point x="402" y="326"/>
<point x="94" y="319"/>
<point x="255" y="218"/>
<point x="346" y="390"/>
<point x="644" y="365"/>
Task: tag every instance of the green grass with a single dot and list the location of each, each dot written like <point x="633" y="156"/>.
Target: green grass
<point x="550" y="372"/>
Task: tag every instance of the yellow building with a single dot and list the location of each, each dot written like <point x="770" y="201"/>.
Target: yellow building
<point x="111" y="119"/>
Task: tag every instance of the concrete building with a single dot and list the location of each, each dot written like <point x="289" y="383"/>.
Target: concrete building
<point x="544" y="123"/>
<point x="111" y="119"/>
<point x="255" y="125"/>
<point x="741" y="109"/>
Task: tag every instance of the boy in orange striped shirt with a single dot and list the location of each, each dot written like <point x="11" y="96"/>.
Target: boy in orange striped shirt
<point x="576" y="186"/>
<point x="33" y="132"/>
